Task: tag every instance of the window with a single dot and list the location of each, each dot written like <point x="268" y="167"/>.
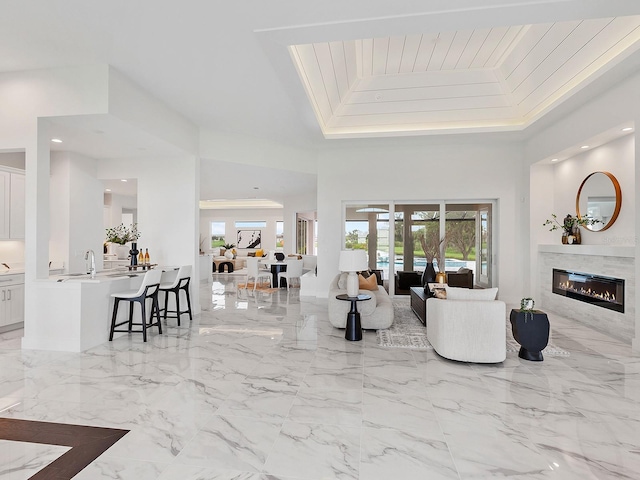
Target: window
<point x="257" y="224"/>
<point x="217" y="234"/>
<point x="280" y="235"/>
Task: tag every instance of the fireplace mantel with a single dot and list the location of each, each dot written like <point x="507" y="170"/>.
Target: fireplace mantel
<point x="616" y="261"/>
<point x="622" y="251"/>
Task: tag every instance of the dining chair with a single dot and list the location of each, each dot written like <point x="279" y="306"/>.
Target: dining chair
<point x="294" y="270"/>
<point x="253" y="271"/>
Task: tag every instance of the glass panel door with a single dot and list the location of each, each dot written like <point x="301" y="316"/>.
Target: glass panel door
<point x="483" y="246"/>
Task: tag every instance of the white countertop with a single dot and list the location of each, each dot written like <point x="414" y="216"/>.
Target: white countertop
<point x="103" y="276"/>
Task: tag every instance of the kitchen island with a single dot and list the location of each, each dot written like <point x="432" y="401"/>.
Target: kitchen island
<point x="74" y="310"/>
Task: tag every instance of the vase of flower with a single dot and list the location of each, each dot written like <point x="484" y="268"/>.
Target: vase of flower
<point x="429" y="275"/>
<point x="122" y="251"/>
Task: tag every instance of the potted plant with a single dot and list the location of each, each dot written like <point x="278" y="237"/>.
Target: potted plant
<point x="120" y="236"/>
<point x="570" y="227"/>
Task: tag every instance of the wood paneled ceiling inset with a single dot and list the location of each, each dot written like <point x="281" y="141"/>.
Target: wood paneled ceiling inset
<point x="493" y="79"/>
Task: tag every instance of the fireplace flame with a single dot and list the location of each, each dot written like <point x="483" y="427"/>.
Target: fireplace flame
<point x="570" y="286"/>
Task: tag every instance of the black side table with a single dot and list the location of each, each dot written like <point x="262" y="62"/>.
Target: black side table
<point x="531" y="331"/>
<point x="354" y="328"/>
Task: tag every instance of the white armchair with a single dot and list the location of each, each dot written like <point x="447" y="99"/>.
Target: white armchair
<point x="468" y="326"/>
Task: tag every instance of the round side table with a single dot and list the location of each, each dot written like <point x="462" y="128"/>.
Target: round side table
<point x="531" y="330"/>
<point x="353" y="331"/>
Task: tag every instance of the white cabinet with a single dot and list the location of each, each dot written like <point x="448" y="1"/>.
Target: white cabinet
<point x="5" y="203"/>
<point x="12" y="205"/>
<point x="11" y="300"/>
<point x="16" y="206"/>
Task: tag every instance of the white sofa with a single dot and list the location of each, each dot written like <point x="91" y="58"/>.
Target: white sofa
<point x="374" y="314"/>
<point x="468" y="326"/>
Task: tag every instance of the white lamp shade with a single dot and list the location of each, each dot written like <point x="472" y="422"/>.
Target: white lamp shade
<point x="353" y="261"/>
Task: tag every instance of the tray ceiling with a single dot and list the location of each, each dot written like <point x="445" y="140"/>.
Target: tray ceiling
<point x="492" y="79"/>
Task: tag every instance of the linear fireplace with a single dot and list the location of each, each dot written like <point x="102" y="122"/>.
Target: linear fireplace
<point x="602" y="291"/>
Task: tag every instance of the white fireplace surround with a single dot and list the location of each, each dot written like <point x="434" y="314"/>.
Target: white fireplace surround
<point x="605" y="260"/>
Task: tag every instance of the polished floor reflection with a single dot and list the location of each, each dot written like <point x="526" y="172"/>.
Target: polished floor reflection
<point x="260" y="386"/>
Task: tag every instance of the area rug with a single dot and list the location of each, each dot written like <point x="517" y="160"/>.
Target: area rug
<point x="408" y="332"/>
<point x="260" y="288"/>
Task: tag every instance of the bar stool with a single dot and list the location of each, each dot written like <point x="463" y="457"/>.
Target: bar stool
<point x="148" y="289"/>
<point x="180" y="283"/>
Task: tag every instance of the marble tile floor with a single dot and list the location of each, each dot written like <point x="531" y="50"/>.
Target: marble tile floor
<point x="261" y="386"/>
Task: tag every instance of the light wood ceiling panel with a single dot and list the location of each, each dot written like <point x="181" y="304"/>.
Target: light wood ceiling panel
<point x="396" y="51"/>
<point x="366" y="52"/>
<point x="380" y="55"/>
<point x="425" y="52"/>
<point x="311" y="76"/>
<point x="425" y="105"/>
<point x="499" y="114"/>
<point x="458" y="45"/>
<point x="323" y="54"/>
<point x="432" y="92"/>
<point x="470" y="53"/>
<point x="410" y="54"/>
<point x="443" y="44"/>
<point x="502" y="77"/>
<point x="338" y="60"/>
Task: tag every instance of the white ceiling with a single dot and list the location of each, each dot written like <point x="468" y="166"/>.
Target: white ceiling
<point x="227" y="66"/>
<point x="498" y="78"/>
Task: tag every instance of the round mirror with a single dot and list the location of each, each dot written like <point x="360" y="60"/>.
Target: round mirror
<point x="599" y="197"/>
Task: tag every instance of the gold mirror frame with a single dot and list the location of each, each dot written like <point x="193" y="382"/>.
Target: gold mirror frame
<point x="616" y="212"/>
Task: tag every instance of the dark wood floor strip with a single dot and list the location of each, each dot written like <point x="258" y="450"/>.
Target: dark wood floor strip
<point x="87" y="443"/>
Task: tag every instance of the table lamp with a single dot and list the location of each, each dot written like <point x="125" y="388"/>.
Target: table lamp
<point x="353" y="261"/>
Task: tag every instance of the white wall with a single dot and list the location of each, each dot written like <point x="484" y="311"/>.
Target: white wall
<point x="268" y="234"/>
<point x="618" y="158"/>
<point x="24" y="96"/>
<point x="76" y="208"/>
<point x="12" y="159"/>
<point x="231" y="147"/>
<point x="427" y="172"/>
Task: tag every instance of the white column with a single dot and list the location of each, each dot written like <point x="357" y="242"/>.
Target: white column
<point x="635" y="343"/>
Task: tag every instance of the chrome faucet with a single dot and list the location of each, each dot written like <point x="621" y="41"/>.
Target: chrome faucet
<point x="91" y="262"/>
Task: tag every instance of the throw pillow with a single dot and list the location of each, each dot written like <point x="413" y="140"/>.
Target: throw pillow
<point x="440" y="293"/>
<point x="251" y="254"/>
<point x="259" y="253"/>
<point x="463" y="270"/>
<point x="454" y="293"/>
<point x="342" y="281"/>
<point x="370" y="283"/>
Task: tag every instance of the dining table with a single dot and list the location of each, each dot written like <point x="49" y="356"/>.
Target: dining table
<point x="275" y="267"/>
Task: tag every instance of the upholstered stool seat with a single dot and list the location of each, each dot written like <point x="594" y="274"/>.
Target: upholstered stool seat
<point x="181" y="283"/>
<point x="147" y="291"/>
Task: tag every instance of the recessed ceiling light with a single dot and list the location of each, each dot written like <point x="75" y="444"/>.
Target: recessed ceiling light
<point x="107" y="189"/>
<point x="584" y="146"/>
<point x="554" y="159"/>
<point x="627" y="129"/>
<point x="123" y="180"/>
<point x="255" y="188"/>
<point x="56" y="140"/>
